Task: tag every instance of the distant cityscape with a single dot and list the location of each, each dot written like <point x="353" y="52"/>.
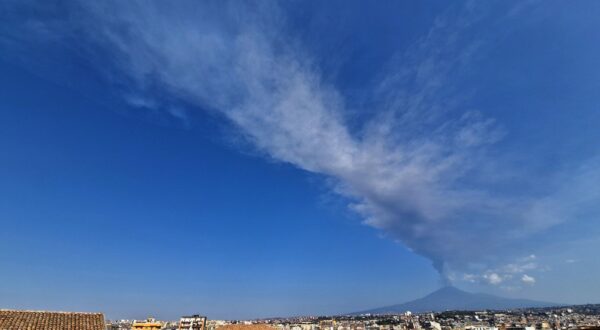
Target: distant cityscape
<point x="580" y="317"/>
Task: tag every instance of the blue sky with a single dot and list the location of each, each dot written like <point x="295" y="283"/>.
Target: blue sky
<point x="252" y="159"/>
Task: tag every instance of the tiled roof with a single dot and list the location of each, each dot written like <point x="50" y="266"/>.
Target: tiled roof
<point x="37" y="320"/>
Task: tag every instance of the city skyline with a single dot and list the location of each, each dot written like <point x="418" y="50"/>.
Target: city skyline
<point x="259" y="159"/>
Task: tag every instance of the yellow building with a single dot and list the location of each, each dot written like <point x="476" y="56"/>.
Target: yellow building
<point x="149" y="324"/>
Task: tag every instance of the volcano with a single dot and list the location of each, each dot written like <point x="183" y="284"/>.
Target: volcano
<point x="451" y="298"/>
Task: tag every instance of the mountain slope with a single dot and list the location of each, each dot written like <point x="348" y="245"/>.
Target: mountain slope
<point x="451" y="298"/>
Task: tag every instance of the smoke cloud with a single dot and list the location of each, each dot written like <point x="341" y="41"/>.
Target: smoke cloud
<point x="418" y="169"/>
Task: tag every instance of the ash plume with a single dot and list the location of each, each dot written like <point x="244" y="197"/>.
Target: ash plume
<point x="418" y="170"/>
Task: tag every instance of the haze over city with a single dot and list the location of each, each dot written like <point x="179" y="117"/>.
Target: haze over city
<point x="253" y="159"/>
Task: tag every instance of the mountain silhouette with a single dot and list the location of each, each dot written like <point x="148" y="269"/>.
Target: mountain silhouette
<point x="451" y="298"/>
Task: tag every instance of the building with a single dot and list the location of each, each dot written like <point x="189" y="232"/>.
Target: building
<point x="246" y="327"/>
<point x="327" y="325"/>
<point x="148" y="324"/>
<point x="434" y="325"/>
<point x="42" y="320"/>
<point x="194" y="322"/>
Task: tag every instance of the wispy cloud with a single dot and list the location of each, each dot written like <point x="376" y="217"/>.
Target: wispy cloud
<point x="530" y="280"/>
<point x="418" y="170"/>
<point x="500" y="275"/>
<point x="493" y="278"/>
<point x="141" y="102"/>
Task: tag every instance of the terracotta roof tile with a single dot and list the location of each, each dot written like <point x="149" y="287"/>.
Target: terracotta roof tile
<point x="38" y="320"/>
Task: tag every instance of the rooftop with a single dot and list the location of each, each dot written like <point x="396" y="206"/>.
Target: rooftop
<point x="44" y="320"/>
